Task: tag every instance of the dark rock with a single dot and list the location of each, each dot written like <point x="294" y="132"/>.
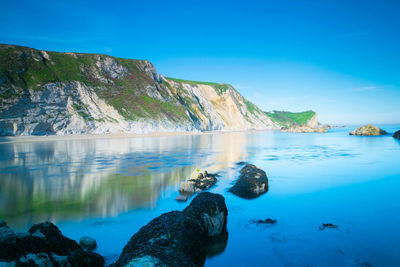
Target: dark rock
<point x="266" y="221"/>
<point x="87" y="243"/>
<point x="252" y="182"/>
<point x="198" y="181"/>
<point x="44" y="245"/>
<point x="328" y="226"/>
<point x="397" y="134"/>
<point x="178" y="238"/>
<point x="368" y="130"/>
<point x="241" y="163"/>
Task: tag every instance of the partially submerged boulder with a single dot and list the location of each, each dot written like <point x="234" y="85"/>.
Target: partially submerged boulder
<point x="368" y="130"/>
<point x="252" y="182"/>
<point x="43" y="245"/>
<point x="199" y="180"/>
<point x="397" y="134"/>
<point x="178" y="238"/>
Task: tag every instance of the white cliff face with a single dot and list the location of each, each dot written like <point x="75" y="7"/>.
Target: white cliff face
<point x="108" y="95"/>
<point x="313" y="122"/>
<point x="225" y="111"/>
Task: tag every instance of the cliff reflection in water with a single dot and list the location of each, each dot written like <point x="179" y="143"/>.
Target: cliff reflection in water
<point x="75" y="179"/>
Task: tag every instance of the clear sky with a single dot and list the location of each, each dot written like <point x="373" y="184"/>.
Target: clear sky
<point x="339" y="58"/>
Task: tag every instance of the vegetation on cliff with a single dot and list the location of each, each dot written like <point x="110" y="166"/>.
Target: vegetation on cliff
<point x="286" y="119"/>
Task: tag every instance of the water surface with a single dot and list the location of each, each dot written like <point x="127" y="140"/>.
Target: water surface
<point x="109" y="188"/>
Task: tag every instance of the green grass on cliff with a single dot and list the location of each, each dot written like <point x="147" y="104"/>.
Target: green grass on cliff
<point x="285" y="118"/>
<point x="28" y="68"/>
<point x="219" y="87"/>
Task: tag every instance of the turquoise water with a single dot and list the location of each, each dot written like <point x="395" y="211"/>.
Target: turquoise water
<point x="109" y="188"/>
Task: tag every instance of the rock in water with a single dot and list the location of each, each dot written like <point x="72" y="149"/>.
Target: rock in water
<point x="43" y="245"/>
<point x="198" y="181"/>
<point x="178" y="238"/>
<point x="397" y="134"/>
<point x="368" y="130"/>
<point x="252" y="182"/>
<point x="87" y="242"/>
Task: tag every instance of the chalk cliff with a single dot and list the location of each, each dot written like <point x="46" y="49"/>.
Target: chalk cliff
<point x="43" y="92"/>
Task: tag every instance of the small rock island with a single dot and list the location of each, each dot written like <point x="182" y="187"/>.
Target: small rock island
<point x="397" y="134"/>
<point x="368" y="130"/>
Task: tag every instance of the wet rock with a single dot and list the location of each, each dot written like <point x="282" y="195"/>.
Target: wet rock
<point x="87" y="242"/>
<point x="265" y="222"/>
<point x="241" y="163"/>
<point x="328" y="226"/>
<point x="397" y="134"/>
<point x="178" y="238"/>
<point x="252" y="182"/>
<point x="198" y="181"/>
<point x="43" y="245"/>
<point x="368" y="130"/>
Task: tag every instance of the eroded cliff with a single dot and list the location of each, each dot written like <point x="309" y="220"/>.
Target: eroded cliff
<point x="44" y="92"/>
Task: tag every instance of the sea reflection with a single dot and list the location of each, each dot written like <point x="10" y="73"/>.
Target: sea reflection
<point x="75" y="179"/>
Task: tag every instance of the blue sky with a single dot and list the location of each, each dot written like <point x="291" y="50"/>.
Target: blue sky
<point x="339" y="58"/>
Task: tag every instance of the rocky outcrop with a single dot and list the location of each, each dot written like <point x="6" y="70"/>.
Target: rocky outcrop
<point x="43" y="245"/>
<point x="397" y="134"/>
<point x="252" y="182"/>
<point x="45" y="93"/>
<point x="304" y="129"/>
<point x="178" y="238"/>
<point x="199" y="180"/>
<point x="368" y="130"/>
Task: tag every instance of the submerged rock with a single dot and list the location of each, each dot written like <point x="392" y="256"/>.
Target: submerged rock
<point x="265" y="222"/>
<point x="397" y="134"/>
<point x="368" y="130"/>
<point x="252" y="182"/>
<point x="87" y="242"/>
<point x="178" y="238"/>
<point x="328" y="226"/>
<point x="198" y="181"/>
<point x="43" y="245"/>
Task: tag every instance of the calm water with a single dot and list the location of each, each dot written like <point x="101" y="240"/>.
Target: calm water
<point x="109" y="188"/>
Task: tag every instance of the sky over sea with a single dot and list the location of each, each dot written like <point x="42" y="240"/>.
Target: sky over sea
<point x="339" y="58"/>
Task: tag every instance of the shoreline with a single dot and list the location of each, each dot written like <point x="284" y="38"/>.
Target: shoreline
<point x="35" y="138"/>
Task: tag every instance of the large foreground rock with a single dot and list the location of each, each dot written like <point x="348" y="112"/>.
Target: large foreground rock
<point x="43" y="245"/>
<point x="252" y="182"/>
<point x="397" y="134"/>
<point x="368" y="130"/>
<point x="178" y="238"/>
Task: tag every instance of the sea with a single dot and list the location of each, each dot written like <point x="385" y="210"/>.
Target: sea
<point x="108" y="188"/>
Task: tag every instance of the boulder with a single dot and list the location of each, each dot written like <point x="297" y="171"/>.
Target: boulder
<point x="397" y="134"/>
<point x="252" y="182"/>
<point x="198" y="181"/>
<point x="178" y="238"/>
<point x="43" y="245"/>
<point x="368" y="130"/>
<point x="87" y="242"/>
